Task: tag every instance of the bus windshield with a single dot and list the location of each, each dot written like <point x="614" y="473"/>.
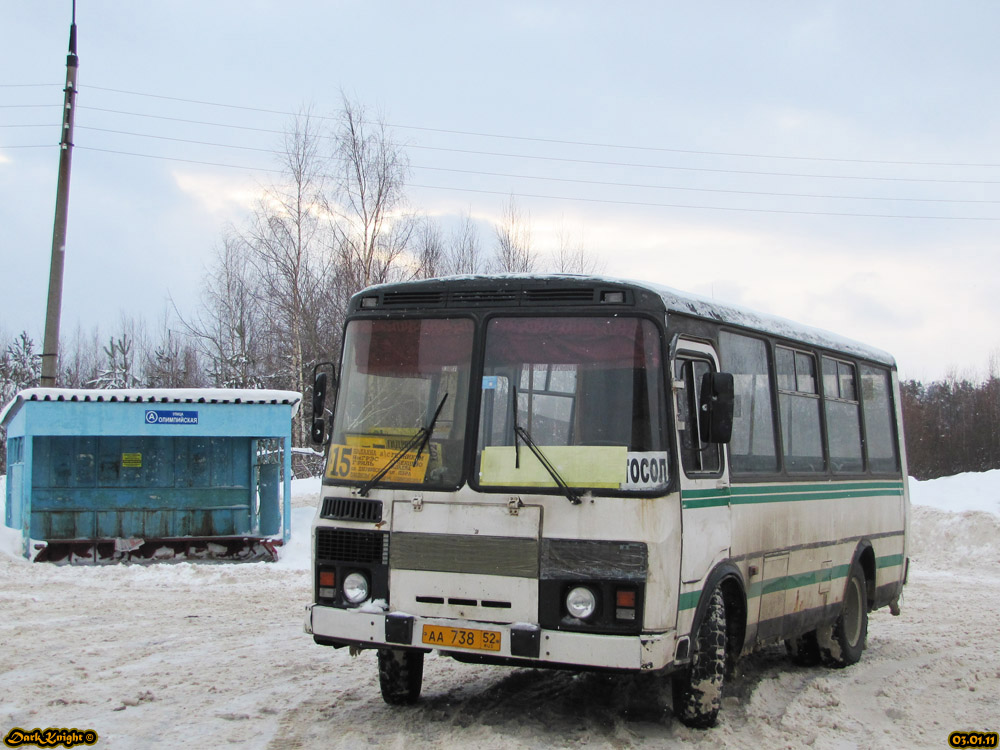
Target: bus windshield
<point x="587" y="391"/>
<point x="399" y="379"/>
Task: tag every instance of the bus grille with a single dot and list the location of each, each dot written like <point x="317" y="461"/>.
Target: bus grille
<point x="412" y="299"/>
<point x="351" y="509"/>
<point x="463" y="297"/>
<point x="344" y="545"/>
<point x="579" y="294"/>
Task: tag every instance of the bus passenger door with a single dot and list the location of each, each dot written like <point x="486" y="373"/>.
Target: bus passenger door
<point x="704" y="475"/>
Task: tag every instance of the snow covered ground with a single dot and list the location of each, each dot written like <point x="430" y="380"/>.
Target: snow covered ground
<point x="198" y="655"/>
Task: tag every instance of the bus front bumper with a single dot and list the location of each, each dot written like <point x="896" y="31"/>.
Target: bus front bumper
<point x="519" y="641"/>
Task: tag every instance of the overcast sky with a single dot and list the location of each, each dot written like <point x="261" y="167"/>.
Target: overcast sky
<point x="837" y="163"/>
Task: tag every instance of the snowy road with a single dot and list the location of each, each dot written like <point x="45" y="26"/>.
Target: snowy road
<point x="180" y="656"/>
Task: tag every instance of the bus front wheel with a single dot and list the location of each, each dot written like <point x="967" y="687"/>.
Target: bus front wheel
<point x="697" y="691"/>
<point x="400" y="675"/>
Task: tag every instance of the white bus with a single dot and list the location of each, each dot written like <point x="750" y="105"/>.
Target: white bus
<point x="594" y="474"/>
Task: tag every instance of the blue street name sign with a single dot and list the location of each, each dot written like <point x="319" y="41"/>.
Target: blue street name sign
<point x="157" y="416"/>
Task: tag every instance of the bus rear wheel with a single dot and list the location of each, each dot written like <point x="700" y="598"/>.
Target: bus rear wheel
<point x="697" y="691"/>
<point x="400" y="675"/>
<point x="841" y="645"/>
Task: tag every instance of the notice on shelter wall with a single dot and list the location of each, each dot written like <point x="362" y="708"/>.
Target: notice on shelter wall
<point x="131" y="460"/>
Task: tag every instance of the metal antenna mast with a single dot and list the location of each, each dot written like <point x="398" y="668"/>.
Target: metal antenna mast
<point x="50" y="346"/>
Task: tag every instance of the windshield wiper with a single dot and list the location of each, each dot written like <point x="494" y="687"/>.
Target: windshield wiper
<point x="519" y="432"/>
<point x="421" y="438"/>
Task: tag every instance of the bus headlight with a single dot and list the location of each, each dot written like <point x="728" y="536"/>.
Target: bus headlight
<point x="581" y="602"/>
<point x="356" y="588"/>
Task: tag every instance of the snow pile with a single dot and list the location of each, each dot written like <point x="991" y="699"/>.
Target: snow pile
<point x="295" y="553"/>
<point x="956" y="521"/>
<point x="10" y="539"/>
<point x="962" y="492"/>
<point x="305" y="492"/>
<point x="10" y="542"/>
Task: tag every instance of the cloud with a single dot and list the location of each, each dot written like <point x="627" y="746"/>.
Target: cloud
<point x="225" y="196"/>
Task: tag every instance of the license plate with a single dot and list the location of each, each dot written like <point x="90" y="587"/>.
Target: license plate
<point x="443" y="637"/>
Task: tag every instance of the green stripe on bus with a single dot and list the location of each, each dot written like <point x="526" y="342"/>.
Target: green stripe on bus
<point x="814" y="495"/>
<point x="810" y="578"/>
<point x="888" y="561"/>
<point x="776" y="489"/>
<point x="708" y="502"/>
<point x="751" y="495"/>
<point x="793" y="581"/>
<point x="689" y="600"/>
<point x="715" y="492"/>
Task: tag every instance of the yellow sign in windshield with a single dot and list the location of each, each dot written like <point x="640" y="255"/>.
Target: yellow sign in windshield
<point x="579" y="466"/>
<point x="361" y="461"/>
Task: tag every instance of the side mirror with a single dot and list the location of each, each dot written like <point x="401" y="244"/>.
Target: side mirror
<point x="318" y="429"/>
<point x="717" y="406"/>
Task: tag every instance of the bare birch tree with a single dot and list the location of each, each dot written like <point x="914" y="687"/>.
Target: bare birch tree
<point x="572" y="257"/>
<point x="373" y="229"/>
<point x="287" y="251"/>
<point x="431" y="251"/>
<point x="465" y="256"/>
<point x="514" y="253"/>
<point x="230" y="327"/>
<point x="80" y="358"/>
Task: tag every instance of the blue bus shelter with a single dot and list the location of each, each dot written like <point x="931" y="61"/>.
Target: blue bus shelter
<point x="107" y="475"/>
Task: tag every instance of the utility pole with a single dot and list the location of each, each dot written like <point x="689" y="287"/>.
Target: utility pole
<point x="50" y="346"/>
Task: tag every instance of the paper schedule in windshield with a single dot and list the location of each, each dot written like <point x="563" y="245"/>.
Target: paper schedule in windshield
<point x="365" y="456"/>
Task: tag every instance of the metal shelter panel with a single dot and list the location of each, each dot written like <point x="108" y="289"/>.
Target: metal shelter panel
<point x="147" y="487"/>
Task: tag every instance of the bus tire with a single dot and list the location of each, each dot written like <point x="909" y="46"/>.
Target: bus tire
<point x="841" y="644"/>
<point x="697" y="691"/>
<point x="400" y="675"/>
<point x="804" y="649"/>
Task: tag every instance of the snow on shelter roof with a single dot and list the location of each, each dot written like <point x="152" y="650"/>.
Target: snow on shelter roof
<point x="686" y="304"/>
<point x="155" y="395"/>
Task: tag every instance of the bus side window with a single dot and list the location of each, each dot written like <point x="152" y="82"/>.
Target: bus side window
<point x="697" y="455"/>
<point x="798" y="404"/>
<point x="876" y="389"/>
<point x="843" y="421"/>
<point x="752" y="449"/>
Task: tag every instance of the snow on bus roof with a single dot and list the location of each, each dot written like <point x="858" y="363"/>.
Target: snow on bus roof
<point x="156" y="395"/>
<point x="690" y="304"/>
<point x="700" y="307"/>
